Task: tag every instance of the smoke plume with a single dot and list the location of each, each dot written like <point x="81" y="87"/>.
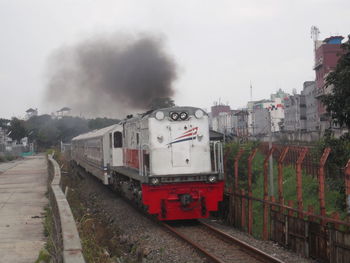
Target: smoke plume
<point x="110" y="75"/>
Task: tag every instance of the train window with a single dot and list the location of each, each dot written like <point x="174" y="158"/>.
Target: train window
<point x="110" y="140"/>
<point x="118" y="139"/>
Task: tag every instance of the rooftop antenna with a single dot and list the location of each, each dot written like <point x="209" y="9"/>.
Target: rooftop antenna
<point x="314" y="35"/>
<point x="251" y="91"/>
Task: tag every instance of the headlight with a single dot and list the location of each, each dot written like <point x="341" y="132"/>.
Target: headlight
<point x="159" y="115"/>
<point x="212" y="179"/>
<point x="183" y="115"/>
<point x="199" y="114"/>
<point x="155" y="181"/>
<point x="174" y="116"/>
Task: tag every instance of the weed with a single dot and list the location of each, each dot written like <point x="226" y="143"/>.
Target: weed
<point x="44" y="256"/>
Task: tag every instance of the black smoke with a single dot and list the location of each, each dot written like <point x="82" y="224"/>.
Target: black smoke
<point x="110" y="75"/>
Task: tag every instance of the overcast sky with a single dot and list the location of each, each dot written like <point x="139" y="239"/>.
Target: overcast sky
<point x="220" y="46"/>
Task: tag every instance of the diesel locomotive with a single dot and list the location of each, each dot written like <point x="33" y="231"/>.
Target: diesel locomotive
<point x="163" y="160"/>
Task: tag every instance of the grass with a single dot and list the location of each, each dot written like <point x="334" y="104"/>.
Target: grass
<point x="100" y="241"/>
<point x="50" y="250"/>
<point x="309" y="192"/>
<point x="7" y="158"/>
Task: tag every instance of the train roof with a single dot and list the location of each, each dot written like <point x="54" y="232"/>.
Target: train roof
<point x="96" y="133"/>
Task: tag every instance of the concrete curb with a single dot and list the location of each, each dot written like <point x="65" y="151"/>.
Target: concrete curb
<point x="66" y="230"/>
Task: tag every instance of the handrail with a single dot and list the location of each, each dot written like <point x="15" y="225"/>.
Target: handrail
<point x="142" y="166"/>
<point x="218" y="157"/>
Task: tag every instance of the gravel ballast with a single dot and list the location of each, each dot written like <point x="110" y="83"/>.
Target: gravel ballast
<point x="146" y="239"/>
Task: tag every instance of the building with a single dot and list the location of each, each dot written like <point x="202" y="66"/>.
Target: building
<point x="219" y="108"/>
<point x="312" y="117"/>
<point x="258" y="119"/>
<point x="30" y="113"/>
<point x="295" y="113"/>
<point x="64" y="112"/>
<point x="229" y="122"/>
<point x="2" y="140"/>
<point x="279" y="94"/>
<point x="327" y="54"/>
<point x="222" y="122"/>
<point x="240" y="123"/>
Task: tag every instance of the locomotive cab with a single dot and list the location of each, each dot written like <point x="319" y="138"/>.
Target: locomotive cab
<point x="183" y="182"/>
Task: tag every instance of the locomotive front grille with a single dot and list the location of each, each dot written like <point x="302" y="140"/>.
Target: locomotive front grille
<point x="176" y="179"/>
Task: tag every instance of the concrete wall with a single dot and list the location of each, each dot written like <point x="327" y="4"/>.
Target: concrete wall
<point x="298" y="136"/>
<point x="65" y="229"/>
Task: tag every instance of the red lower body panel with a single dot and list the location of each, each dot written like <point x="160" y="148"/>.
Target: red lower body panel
<point x="182" y="200"/>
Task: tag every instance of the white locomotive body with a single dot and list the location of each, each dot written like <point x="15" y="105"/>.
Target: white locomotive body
<point x="162" y="160"/>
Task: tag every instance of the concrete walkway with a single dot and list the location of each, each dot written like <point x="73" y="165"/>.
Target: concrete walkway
<point x="23" y="185"/>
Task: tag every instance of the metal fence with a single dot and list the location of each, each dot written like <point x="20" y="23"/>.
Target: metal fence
<point x="319" y="235"/>
<point x="15" y="150"/>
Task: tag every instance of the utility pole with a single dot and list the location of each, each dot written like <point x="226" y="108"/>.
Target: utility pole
<point x="272" y="192"/>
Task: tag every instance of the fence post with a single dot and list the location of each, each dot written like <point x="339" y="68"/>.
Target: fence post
<point x="333" y="238"/>
<point x="321" y="180"/>
<point x="226" y="155"/>
<point x="266" y="195"/>
<point x="243" y="209"/>
<point x="237" y="157"/>
<point x="311" y="219"/>
<point x="250" y="194"/>
<point x="300" y="160"/>
<point x="289" y="214"/>
<point x="280" y="176"/>
<point x="273" y="209"/>
<point x="347" y="186"/>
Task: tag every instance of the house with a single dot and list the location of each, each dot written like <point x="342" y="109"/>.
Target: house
<point x="30" y="113"/>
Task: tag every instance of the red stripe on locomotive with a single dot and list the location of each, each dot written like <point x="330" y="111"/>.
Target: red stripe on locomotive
<point x="131" y="157"/>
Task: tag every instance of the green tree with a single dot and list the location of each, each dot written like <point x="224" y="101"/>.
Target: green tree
<point x="48" y="135"/>
<point x="70" y="127"/>
<point x="338" y="102"/>
<point x="35" y="123"/>
<point x="4" y="123"/>
<point x="17" y="129"/>
<point x="159" y="103"/>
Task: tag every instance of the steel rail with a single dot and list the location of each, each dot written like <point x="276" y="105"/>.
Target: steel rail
<point x="257" y="253"/>
<point x="196" y="246"/>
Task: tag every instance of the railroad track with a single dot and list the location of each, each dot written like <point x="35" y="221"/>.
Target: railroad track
<point x="216" y="245"/>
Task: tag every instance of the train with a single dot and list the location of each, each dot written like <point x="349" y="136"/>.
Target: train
<point x="162" y="160"/>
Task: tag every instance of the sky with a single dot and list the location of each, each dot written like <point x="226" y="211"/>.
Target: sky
<point x="220" y="46"/>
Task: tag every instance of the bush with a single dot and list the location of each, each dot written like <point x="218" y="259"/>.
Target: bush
<point x="338" y="158"/>
<point x="10" y="157"/>
<point x="233" y="148"/>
